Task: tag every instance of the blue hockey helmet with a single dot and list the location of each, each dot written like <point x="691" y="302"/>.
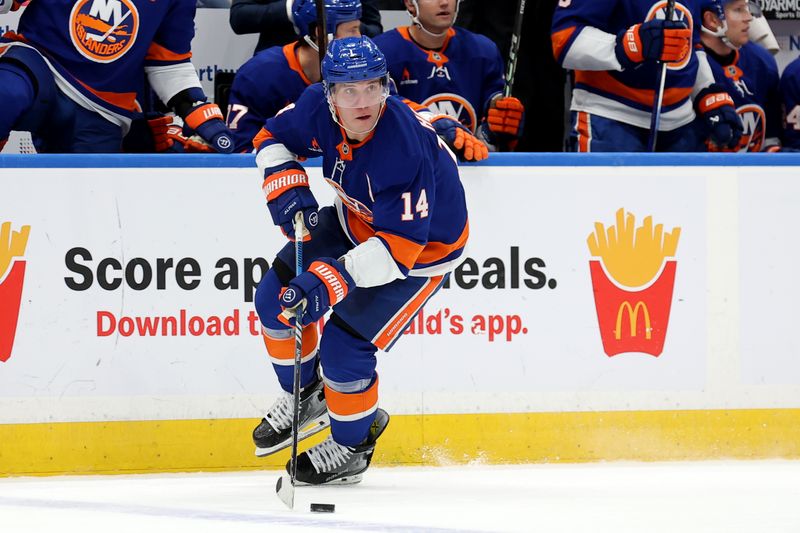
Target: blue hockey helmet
<point x="353" y="59"/>
<point x="304" y="13"/>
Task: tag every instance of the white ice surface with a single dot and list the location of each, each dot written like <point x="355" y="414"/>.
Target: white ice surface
<point x="729" y="496"/>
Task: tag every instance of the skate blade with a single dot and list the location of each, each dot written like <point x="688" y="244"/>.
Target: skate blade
<point x="309" y="430"/>
<point x="285" y="490"/>
<point x="346" y="480"/>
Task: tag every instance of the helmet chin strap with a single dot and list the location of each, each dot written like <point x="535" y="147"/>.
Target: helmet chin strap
<point x="721" y="34"/>
<point x="313" y="44"/>
<point x="416" y="22"/>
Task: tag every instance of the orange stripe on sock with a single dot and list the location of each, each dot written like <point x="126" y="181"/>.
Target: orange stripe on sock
<point x="349" y="404"/>
<point x="284" y="348"/>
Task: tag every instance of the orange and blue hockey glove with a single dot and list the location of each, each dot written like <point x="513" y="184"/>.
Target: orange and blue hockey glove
<point x="168" y="136"/>
<point x="654" y="40"/>
<point x="323" y="285"/>
<point x="461" y="141"/>
<point x="287" y="191"/>
<point x="505" y="116"/>
<point x="207" y="121"/>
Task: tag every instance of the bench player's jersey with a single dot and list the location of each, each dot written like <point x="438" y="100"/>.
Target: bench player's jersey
<point x="750" y="76"/>
<point x="457" y="80"/>
<point x="790" y="96"/>
<point x="265" y="84"/>
<point x="98" y="49"/>
<point x="400" y="185"/>
<point x="584" y="36"/>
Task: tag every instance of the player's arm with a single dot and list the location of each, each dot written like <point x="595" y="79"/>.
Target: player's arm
<point x="401" y="219"/>
<point x="244" y="117"/>
<point x="279" y="145"/>
<point x="174" y="79"/>
<point x="504" y="116"/>
<point x="715" y="107"/>
<point x="581" y="43"/>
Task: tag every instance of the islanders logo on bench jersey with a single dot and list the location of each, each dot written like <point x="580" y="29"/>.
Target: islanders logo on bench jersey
<point x="681" y="13"/>
<point x="103" y="30"/>
<point x="455" y="106"/>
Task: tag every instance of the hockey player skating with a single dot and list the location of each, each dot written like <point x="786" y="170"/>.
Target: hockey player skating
<point x="453" y="72"/>
<point x="745" y="70"/>
<point x="398" y="226"/>
<point x="615" y="48"/>
<point x="71" y="73"/>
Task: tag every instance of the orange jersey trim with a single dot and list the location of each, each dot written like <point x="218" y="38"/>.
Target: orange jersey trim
<point x="294" y="63"/>
<point x="284" y="348"/>
<point x="602" y="80"/>
<point x="559" y="40"/>
<point x="406" y="34"/>
<point x="403" y="250"/>
<point x="349" y="404"/>
<point x="156" y="52"/>
<point x="397" y="324"/>
<point x="261" y="136"/>
<point x="434" y="251"/>
<point x="125" y="101"/>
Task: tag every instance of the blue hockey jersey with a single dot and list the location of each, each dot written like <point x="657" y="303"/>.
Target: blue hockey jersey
<point x="584" y="36"/>
<point x="790" y="96"/>
<point x="457" y="80"/>
<point x="265" y="84"/>
<point x="398" y="189"/>
<point x="750" y="76"/>
<point x="98" y="50"/>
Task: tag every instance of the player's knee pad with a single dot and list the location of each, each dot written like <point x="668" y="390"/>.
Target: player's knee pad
<point x="348" y="361"/>
<point x="29" y="65"/>
<point x="268" y="302"/>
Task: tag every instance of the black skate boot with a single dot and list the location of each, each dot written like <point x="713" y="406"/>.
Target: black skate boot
<point x="274" y="433"/>
<point x="332" y="463"/>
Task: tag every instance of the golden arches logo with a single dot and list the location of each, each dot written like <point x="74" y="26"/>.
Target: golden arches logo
<point x="633" y="315"/>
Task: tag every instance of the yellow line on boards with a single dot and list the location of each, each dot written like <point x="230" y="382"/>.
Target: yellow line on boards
<point x="217" y="445"/>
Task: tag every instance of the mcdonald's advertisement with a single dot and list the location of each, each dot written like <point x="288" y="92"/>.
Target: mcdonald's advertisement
<point x="127" y="293"/>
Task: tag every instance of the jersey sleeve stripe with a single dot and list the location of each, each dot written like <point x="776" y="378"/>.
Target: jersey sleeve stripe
<point x="156" y="52"/>
<point x="561" y="39"/>
<point x="125" y="101"/>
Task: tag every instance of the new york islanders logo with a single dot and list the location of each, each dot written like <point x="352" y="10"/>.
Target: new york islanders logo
<point x="12" y="274"/>
<point x="103" y="30"/>
<point x="633" y="275"/>
<point x="754" y="121"/>
<point x="453" y="105"/>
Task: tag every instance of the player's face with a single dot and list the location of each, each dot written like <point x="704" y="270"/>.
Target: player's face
<point x="437" y="15"/>
<point x="348" y="29"/>
<point x="738" y="17"/>
<point x="359" y="104"/>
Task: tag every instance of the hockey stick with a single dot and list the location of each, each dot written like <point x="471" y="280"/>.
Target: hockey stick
<point x="285" y="485"/>
<point x="511" y="67"/>
<point x="655" y="117"/>
<point x="322" y="31"/>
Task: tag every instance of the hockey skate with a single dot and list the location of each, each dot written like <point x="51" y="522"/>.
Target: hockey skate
<point x="274" y="433"/>
<point x="334" y="464"/>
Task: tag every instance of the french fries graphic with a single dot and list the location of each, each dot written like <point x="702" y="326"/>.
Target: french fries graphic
<point x="12" y="275"/>
<point x="633" y="305"/>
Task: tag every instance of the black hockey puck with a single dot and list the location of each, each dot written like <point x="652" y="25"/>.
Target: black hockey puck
<point x="322" y="507"/>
